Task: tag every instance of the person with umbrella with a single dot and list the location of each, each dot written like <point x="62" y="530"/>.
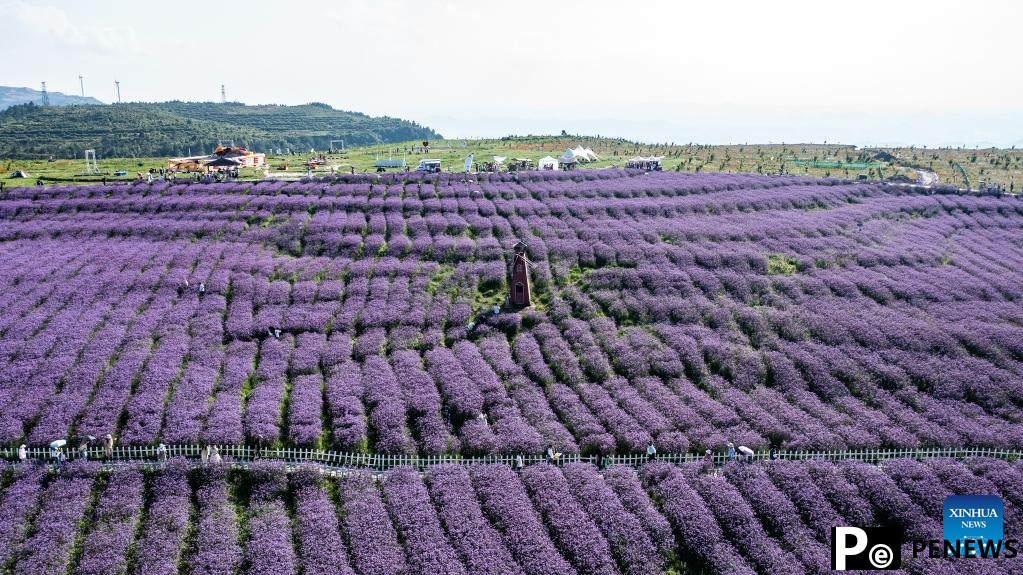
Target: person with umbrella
<point x="56" y="453"/>
<point x="747" y="453"/>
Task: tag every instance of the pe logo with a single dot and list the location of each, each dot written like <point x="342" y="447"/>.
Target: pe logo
<point x="972" y="522"/>
<point x="870" y="548"/>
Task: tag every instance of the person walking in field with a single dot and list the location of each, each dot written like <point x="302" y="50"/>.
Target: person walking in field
<point x="161" y="452"/>
<point x="731" y="451"/>
<point x="108" y="446"/>
<point x="519" y="463"/>
<point x="215" y="455"/>
<point x="708" y="457"/>
<point x="22" y="453"/>
<point x="651" y="452"/>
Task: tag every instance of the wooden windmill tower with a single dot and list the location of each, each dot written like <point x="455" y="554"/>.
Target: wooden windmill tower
<point x="519" y="285"/>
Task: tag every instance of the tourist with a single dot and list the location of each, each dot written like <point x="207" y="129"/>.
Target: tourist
<point x="22" y="453"/>
<point x="708" y="457"/>
<point x="202" y="288"/>
<point x="83" y="450"/>
<point x="651" y="452"/>
<point x="519" y="463"/>
<point x="773" y="453"/>
<point x="161" y="452"/>
<point x="215" y="455"/>
<point x="482" y="417"/>
<point x="205" y="456"/>
<point x="731" y="451"/>
<point x="108" y="446"/>
<point x="550" y="454"/>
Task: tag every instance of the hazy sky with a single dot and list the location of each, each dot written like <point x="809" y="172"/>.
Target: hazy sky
<point x="866" y="72"/>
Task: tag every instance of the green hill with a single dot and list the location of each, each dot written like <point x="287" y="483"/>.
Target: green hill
<point x="172" y="128"/>
<point x="12" y="96"/>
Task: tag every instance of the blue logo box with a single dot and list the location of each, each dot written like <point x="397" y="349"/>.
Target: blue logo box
<point x="973" y="517"/>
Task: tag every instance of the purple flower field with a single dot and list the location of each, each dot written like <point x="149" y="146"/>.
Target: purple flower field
<point x="487" y="519"/>
<point x="686" y="310"/>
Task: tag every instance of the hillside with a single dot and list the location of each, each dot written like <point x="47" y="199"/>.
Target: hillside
<point x="174" y="128"/>
<point x="12" y="96"/>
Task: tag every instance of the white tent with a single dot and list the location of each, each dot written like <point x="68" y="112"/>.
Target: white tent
<point x="548" y="163"/>
<point x="581" y="154"/>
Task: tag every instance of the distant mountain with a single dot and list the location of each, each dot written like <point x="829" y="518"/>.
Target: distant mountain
<point x="10" y="96"/>
<point x="174" y="128"/>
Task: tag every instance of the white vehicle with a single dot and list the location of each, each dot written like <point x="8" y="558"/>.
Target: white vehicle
<point x="428" y="166"/>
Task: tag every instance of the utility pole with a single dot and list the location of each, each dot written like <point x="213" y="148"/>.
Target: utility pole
<point x="46" y="97"/>
<point x="81" y="84"/>
<point x="118" y="84"/>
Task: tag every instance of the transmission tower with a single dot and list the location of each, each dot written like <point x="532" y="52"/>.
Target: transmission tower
<point x="46" y="97"/>
<point x="223" y="95"/>
<point x="118" y="84"/>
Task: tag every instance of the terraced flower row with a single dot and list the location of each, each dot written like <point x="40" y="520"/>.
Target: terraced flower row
<point x="760" y="518"/>
<point x="679" y="309"/>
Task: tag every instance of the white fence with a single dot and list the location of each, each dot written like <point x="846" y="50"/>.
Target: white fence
<point x="383" y="462"/>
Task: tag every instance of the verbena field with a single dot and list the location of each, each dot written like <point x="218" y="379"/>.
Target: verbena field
<point x="686" y="310"/>
<point x="765" y="518"/>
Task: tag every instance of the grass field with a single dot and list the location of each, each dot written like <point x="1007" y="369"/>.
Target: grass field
<point x="992" y="166"/>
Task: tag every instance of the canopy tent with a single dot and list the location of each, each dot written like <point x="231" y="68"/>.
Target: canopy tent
<point x="500" y="159"/>
<point x="548" y="163"/>
<point x="19" y="174"/>
<point x="223" y="162"/>
<point x="641" y="163"/>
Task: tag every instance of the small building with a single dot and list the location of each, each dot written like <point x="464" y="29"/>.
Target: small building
<point x="241" y="156"/>
<point x="519" y="284"/>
